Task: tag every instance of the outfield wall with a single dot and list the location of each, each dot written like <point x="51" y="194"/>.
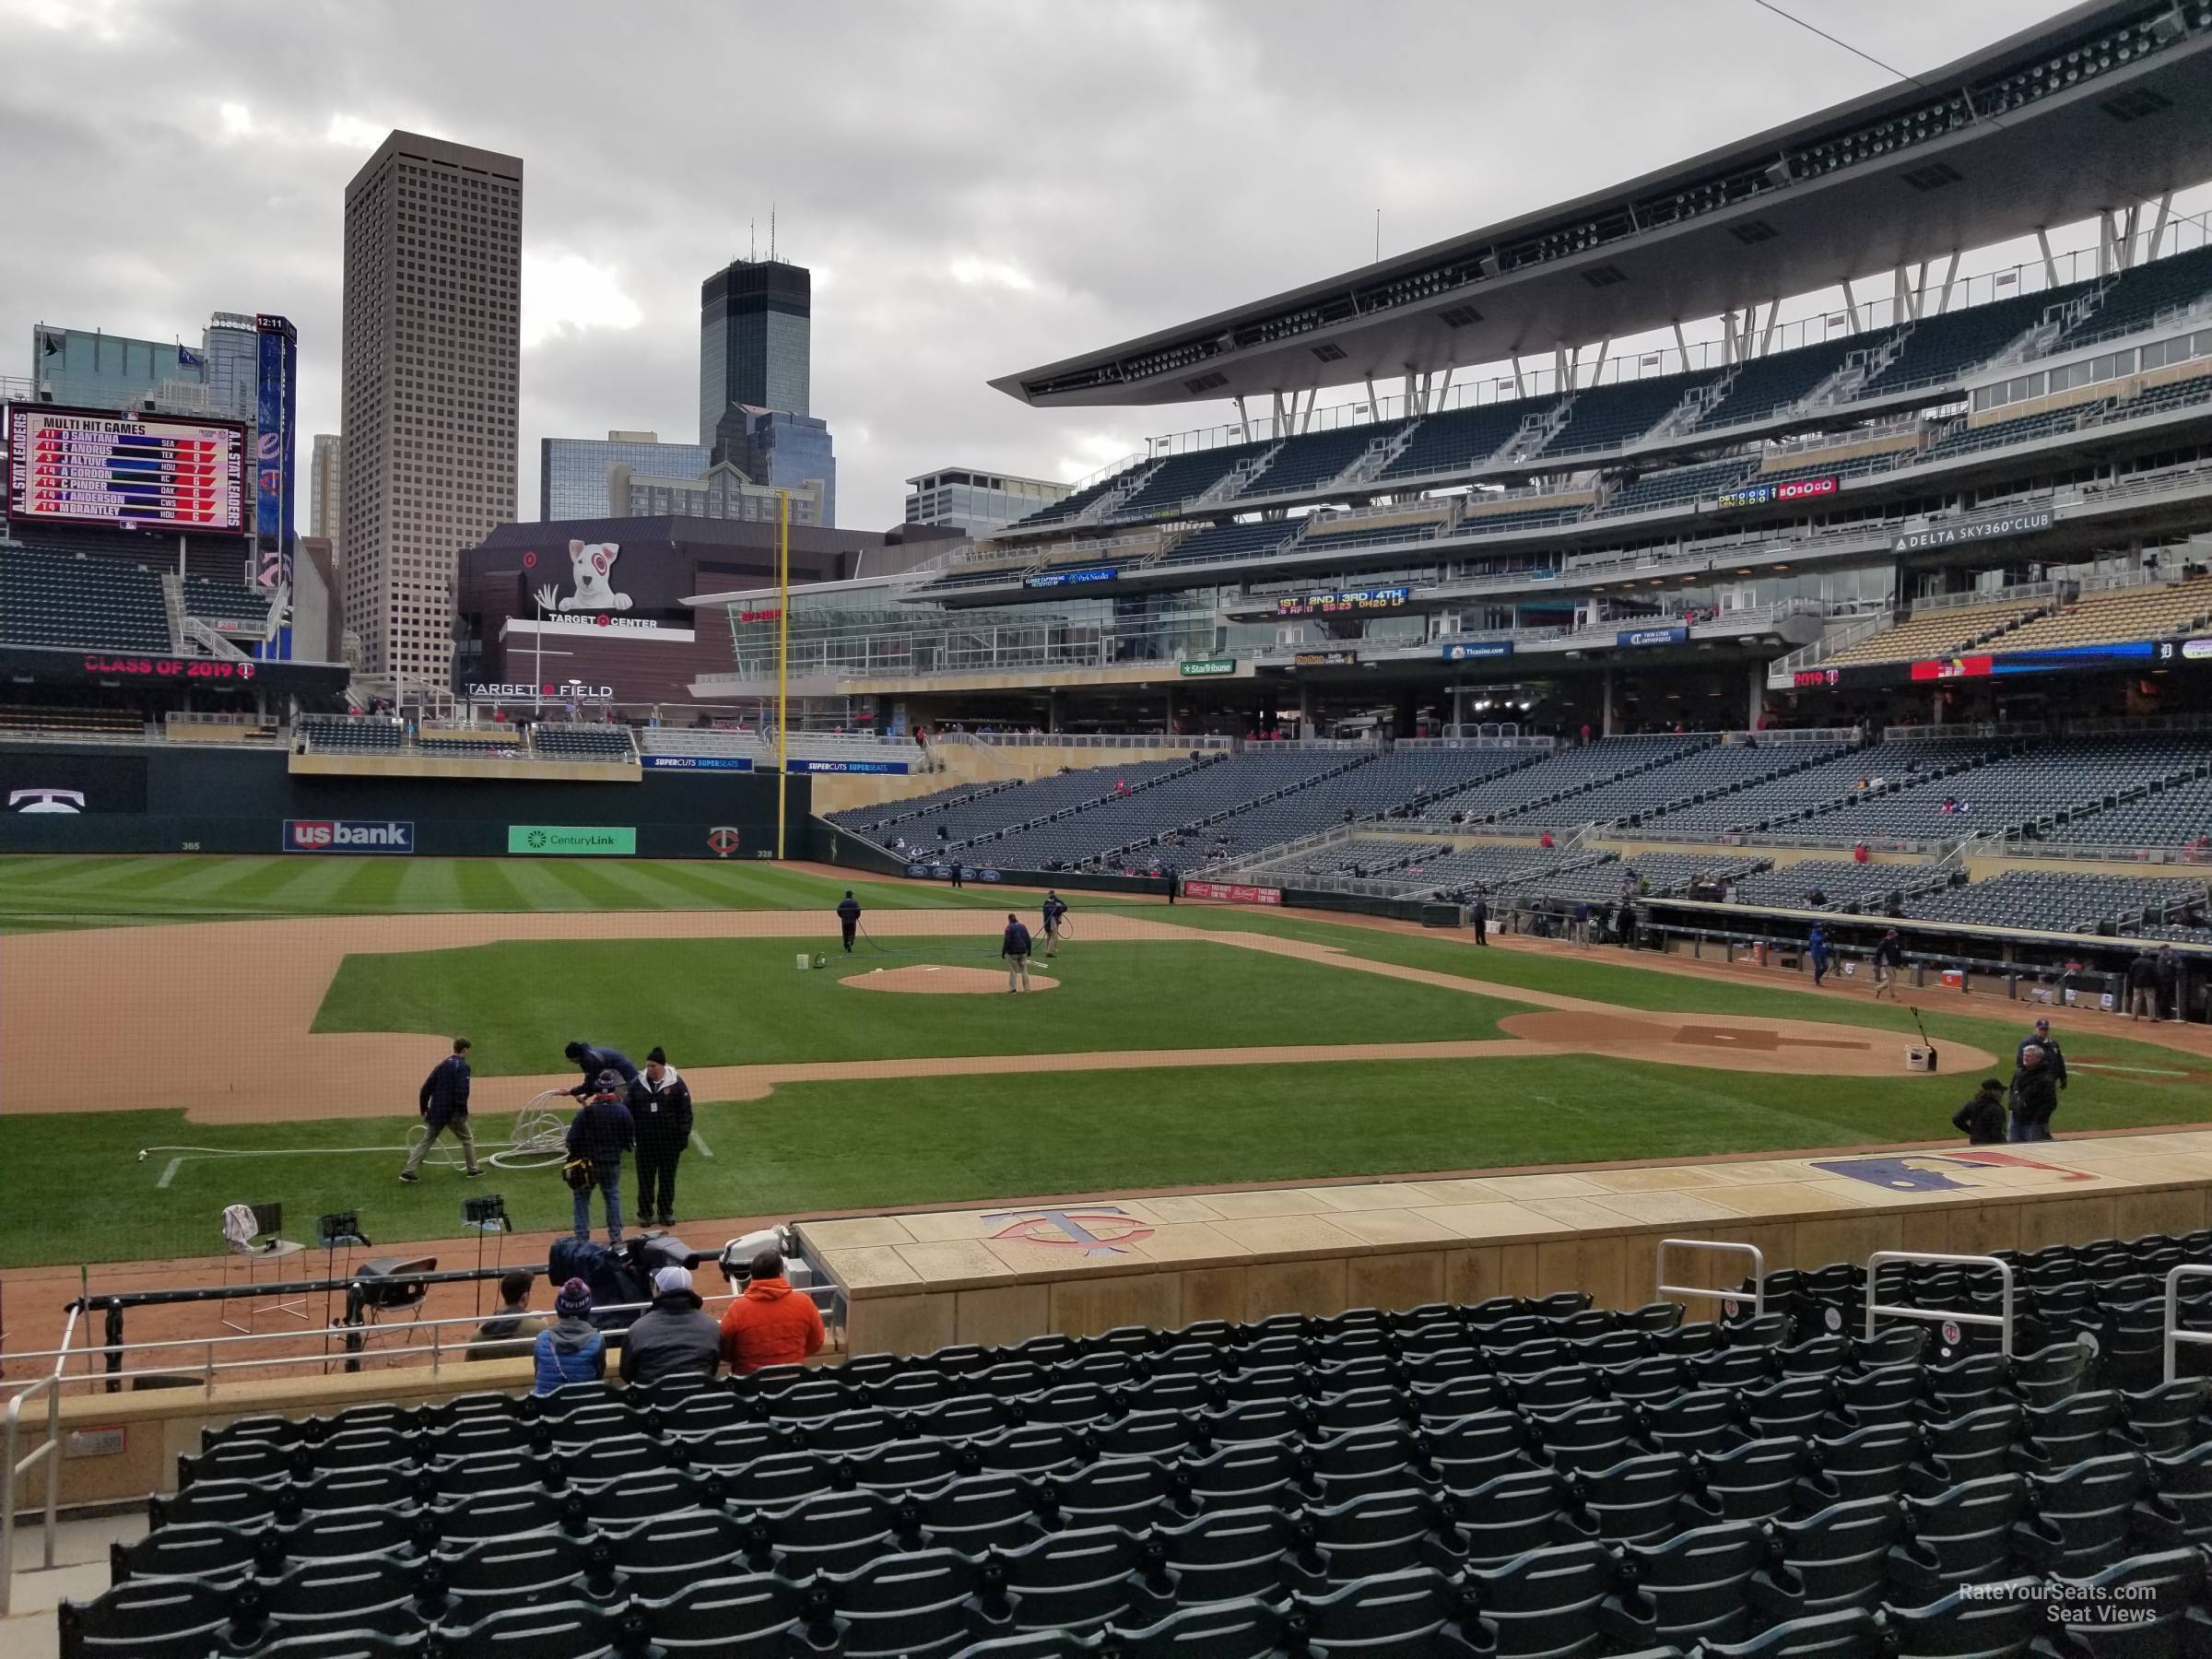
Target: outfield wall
<point x="157" y="798"/>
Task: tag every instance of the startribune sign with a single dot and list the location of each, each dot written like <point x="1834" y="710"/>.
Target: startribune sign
<point x="1208" y="667"/>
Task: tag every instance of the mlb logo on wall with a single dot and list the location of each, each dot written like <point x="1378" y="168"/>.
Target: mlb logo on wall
<point x="348" y="835"/>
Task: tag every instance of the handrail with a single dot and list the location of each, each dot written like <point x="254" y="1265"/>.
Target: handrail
<point x="2002" y="1319"/>
<point x="48" y="1452"/>
<point x="2174" y="1335"/>
<point x="1758" y="1271"/>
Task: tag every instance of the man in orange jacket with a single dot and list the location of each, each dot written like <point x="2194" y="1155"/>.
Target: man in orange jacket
<point x="771" y="1323"/>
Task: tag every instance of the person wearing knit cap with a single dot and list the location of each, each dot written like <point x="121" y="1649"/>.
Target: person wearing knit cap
<point x="573" y="1350"/>
<point x="601" y="1134"/>
<point x="661" y="1103"/>
<point x="675" y="1337"/>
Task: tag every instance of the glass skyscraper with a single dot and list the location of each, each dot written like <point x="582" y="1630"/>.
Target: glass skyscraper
<point x="754" y="322"/>
<point x="572" y="472"/>
<point x="780" y="451"/>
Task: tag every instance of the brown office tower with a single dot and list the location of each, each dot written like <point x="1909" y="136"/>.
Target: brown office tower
<point x="433" y="286"/>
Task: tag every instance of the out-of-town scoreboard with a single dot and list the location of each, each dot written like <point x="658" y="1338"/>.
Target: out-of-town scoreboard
<point x="87" y="466"/>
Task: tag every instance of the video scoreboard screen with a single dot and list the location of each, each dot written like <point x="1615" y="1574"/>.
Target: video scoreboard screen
<point x="94" y="466"/>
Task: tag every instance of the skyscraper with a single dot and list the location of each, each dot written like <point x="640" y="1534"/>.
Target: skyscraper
<point x="324" y="514"/>
<point x="753" y="328"/>
<point x="427" y="459"/>
<point x="572" y="472"/>
<point x="780" y="451"/>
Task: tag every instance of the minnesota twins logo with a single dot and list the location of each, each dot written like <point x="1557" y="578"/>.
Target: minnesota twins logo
<point x="1102" y="1229"/>
<point x="1911" y="1171"/>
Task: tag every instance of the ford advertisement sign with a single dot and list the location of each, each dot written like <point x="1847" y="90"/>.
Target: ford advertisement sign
<point x="348" y="835"/>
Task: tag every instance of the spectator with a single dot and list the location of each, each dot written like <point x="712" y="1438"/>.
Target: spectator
<point x="1860" y="855"/>
<point x="598" y="1137"/>
<point x="1981" y="1119"/>
<point x="1815" y="898"/>
<point x="2143" y="985"/>
<point x="443" y="1104"/>
<point x="675" y="1337"/>
<point x="572" y="1350"/>
<point x="771" y="1323"/>
<point x="2054" y="1059"/>
<point x="1544" y="839"/>
<point x="511" y="1331"/>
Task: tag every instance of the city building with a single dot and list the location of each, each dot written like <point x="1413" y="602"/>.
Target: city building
<point x="626" y="634"/>
<point x="323" y="512"/>
<point x="781" y="451"/>
<point x="91" y="370"/>
<point x="572" y="472"/>
<point x="722" y="491"/>
<point x="753" y="340"/>
<point x="427" y="457"/>
<point x="976" y="502"/>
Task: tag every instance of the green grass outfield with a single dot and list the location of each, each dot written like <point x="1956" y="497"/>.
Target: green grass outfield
<point x="951" y="1139"/>
<point x="739" y="1002"/>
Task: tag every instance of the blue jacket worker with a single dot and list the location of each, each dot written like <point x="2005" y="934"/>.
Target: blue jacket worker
<point x="661" y="1106"/>
<point x="591" y="1059"/>
<point x="1815" y="949"/>
<point x="848" y="918"/>
<point x="443" y="1104"/>
<point x="1014" y="947"/>
<point x="573" y="1350"/>
<point x="602" y="1133"/>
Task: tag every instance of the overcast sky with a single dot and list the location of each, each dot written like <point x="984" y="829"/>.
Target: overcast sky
<point x="978" y="187"/>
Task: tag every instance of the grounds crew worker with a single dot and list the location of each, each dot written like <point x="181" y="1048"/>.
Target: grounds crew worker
<point x="1014" y="947"/>
<point x="660" y="1103"/>
<point x="848" y="918"/>
<point x="1055" y="912"/>
<point x="443" y="1105"/>
<point x="602" y="1133"/>
<point x="593" y="1060"/>
<point x="2055" y="1061"/>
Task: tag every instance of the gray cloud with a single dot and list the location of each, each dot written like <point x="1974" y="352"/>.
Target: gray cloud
<point x="979" y="185"/>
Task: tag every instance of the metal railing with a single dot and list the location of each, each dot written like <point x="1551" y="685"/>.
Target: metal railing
<point x="48" y="1452"/>
<point x="2174" y="1338"/>
<point x="1758" y="1271"/>
<point x="1961" y="1316"/>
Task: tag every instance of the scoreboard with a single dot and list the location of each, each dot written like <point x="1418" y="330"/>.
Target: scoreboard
<point x="94" y="466"/>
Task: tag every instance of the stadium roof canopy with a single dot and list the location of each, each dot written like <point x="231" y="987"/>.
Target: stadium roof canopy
<point x="2098" y="110"/>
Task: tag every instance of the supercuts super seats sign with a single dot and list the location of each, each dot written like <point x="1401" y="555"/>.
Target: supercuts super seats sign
<point x="34" y="781"/>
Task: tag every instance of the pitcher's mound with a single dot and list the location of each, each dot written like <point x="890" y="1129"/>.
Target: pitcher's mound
<point x="925" y="978"/>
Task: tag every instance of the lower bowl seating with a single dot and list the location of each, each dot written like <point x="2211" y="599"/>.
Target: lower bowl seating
<point x="1508" y="1479"/>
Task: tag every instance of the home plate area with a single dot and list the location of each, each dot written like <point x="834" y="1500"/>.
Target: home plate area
<point x="925" y="978"/>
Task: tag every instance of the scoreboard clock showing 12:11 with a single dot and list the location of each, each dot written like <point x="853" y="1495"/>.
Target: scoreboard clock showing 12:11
<point x="85" y="467"/>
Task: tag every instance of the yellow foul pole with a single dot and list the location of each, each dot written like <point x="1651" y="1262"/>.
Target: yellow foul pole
<point x="782" y="655"/>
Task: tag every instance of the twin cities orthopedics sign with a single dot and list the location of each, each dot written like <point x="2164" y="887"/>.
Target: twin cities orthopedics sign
<point x="1651" y="636"/>
<point x="1052" y="578"/>
<point x="1343" y="602"/>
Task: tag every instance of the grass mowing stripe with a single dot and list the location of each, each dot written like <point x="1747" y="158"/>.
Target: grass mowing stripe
<point x="486" y="885"/>
<point x="594" y="883"/>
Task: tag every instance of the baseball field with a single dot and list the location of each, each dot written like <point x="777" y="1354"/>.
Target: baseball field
<point x="258" y="1029"/>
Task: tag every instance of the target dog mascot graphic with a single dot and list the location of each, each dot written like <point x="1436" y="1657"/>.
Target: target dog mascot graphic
<point x="591" y="567"/>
